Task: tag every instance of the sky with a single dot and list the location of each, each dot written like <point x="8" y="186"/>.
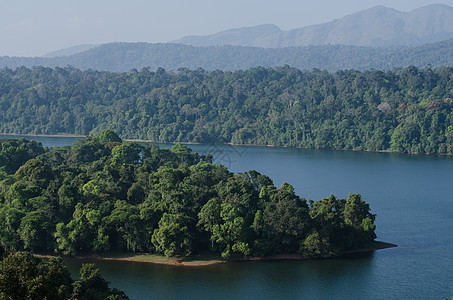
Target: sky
<point x="37" y="27"/>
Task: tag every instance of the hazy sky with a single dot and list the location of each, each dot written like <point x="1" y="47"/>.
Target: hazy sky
<point x="36" y="27"/>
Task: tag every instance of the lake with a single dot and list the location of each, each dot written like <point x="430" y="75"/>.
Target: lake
<point x="412" y="196"/>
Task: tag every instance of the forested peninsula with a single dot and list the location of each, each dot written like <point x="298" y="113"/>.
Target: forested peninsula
<point x="405" y="110"/>
<point x="103" y="195"/>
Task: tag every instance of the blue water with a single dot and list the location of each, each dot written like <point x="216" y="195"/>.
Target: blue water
<point x="46" y="141"/>
<point x="412" y="196"/>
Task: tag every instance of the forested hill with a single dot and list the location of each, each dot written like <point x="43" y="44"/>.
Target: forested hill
<point x="122" y="57"/>
<point x="405" y="110"/>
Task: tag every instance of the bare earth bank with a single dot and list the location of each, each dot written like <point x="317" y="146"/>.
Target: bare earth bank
<point x="206" y="260"/>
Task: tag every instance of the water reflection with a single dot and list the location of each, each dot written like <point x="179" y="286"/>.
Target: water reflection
<point x="311" y="279"/>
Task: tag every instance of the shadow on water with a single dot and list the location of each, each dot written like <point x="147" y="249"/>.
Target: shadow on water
<point x="310" y="279"/>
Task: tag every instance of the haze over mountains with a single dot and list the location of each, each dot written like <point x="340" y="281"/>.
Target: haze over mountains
<point x="122" y="57"/>
<point x="376" y="27"/>
<point x="422" y="37"/>
<point x="70" y="50"/>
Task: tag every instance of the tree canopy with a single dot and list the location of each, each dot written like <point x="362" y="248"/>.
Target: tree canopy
<point x="101" y="195"/>
<point x="24" y="276"/>
<point x="406" y="110"/>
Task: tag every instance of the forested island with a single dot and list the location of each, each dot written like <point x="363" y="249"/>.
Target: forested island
<point x="405" y="110"/>
<point x="104" y="195"/>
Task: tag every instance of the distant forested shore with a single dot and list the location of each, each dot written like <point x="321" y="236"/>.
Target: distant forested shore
<point x="405" y="110"/>
<point x="102" y="195"/>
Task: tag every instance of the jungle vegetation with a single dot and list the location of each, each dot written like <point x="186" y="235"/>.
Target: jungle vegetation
<point x="102" y="195"/>
<point x="405" y="110"/>
<point x="24" y="276"/>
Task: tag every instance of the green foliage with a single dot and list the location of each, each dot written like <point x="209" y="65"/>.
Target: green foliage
<point x="34" y="231"/>
<point x="230" y="233"/>
<point x="35" y="172"/>
<point x="127" y="153"/>
<point x="405" y="110"/>
<point x="173" y="236"/>
<point x="130" y="197"/>
<point x="92" y="285"/>
<point x="339" y="224"/>
<point x="108" y="136"/>
<point x="15" y="152"/>
<point x="24" y="276"/>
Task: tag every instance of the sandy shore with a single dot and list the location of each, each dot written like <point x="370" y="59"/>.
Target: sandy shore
<point x="198" y="261"/>
<point x="207" y="260"/>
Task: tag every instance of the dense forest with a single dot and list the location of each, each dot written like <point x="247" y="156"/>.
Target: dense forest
<point x="103" y="194"/>
<point x="404" y="110"/>
<point x="26" y="277"/>
<point x="122" y="57"/>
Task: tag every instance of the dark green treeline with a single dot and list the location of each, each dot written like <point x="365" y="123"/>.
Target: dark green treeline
<point x="26" y="277"/>
<point x="102" y="195"/>
<point x="405" y="110"/>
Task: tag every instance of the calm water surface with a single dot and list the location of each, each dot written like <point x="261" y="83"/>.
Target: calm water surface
<point x="411" y="195"/>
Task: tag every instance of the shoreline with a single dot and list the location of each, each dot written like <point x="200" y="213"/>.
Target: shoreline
<point x="68" y="135"/>
<point x="209" y="260"/>
<point x="65" y="135"/>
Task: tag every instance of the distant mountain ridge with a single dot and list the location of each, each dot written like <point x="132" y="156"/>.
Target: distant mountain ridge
<point x="70" y="50"/>
<point x="252" y="36"/>
<point x="123" y="57"/>
<point x="375" y="27"/>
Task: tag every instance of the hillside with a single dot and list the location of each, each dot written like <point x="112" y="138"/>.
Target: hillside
<point x="121" y="57"/>
<point x="406" y="110"/>
<point x="376" y="27"/>
<point x="70" y="50"/>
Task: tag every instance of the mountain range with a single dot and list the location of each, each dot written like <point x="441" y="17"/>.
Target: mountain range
<point x="122" y="57"/>
<point x="422" y="37"/>
<point x="375" y="27"/>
